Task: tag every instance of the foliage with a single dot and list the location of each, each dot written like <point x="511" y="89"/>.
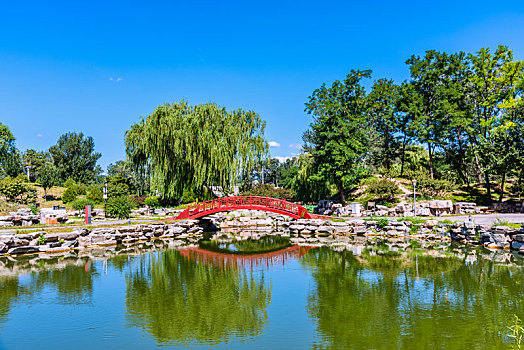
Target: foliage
<point x="16" y="189"/>
<point x="10" y="160"/>
<point x="95" y="193"/>
<point x="69" y="183"/>
<point x="196" y="146"/>
<point x="118" y="186"/>
<point x="517" y="332"/>
<point x="504" y="222"/>
<point x="152" y="202"/>
<point x="269" y="190"/>
<point x="383" y="222"/>
<point x="432" y="187"/>
<point x="41" y="239"/>
<point x="74" y="157"/>
<point x="47" y="177"/>
<point x="188" y="196"/>
<point x="383" y="190"/>
<point x="80" y="203"/>
<point x="34" y="209"/>
<point x="33" y="160"/>
<point x="119" y="207"/>
<point x="337" y="139"/>
<point x="138" y="176"/>
<point x="69" y="195"/>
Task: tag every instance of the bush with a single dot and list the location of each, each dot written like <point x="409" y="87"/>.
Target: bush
<point x="119" y="207"/>
<point x="188" y="196"/>
<point x="140" y="201"/>
<point x="95" y="193"/>
<point x="80" y="203"/>
<point x="381" y="223"/>
<point x="269" y="190"/>
<point x="80" y="189"/>
<point x="152" y="202"/>
<point x="17" y="189"/>
<point x="69" y="195"/>
<point x="383" y="190"/>
<point x="432" y="187"/>
<point x="69" y="183"/>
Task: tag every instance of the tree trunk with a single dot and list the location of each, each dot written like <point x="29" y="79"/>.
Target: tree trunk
<point x="45" y="194"/>
<point x="502" y="187"/>
<point x="402" y="158"/>
<point x="342" y="193"/>
<point x="430" y="161"/>
<point x="488" y="186"/>
<point x="479" y="171"/>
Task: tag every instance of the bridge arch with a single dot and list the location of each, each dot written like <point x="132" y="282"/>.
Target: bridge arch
<point x="274" y="205"/>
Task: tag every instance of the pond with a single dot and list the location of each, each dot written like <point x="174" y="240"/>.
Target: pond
<point x="263" y="293"/>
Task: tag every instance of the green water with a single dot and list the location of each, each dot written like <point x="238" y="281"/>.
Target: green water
<point x="377" y="298"/>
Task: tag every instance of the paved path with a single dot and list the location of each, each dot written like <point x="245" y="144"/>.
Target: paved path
<point x="486" y="219"/>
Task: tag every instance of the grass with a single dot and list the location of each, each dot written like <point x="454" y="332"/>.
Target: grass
<point x="413" y="220"/>
<point x="502" y="222"/>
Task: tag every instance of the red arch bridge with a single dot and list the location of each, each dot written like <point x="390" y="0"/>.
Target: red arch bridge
<point x="279" y="206"/>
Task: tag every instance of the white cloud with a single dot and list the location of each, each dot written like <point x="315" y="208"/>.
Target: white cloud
<point x="274" y="144"/>
<point x="118" y="79"/>
<point x="39" y="135"/>
<point x="282" y="159"/>
<point x="295" y="146"/>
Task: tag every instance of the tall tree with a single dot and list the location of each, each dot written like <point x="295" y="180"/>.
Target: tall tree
<point x="495" y="88"/>
<point x="338" y="135"/>
<point x="74" y="157"/>
<point x="10" y="161"/>
<point x="47" y="176"/>
<point x="31" y="161"/>
<point x="386" y="118"/>
<point x="194" y="147"/>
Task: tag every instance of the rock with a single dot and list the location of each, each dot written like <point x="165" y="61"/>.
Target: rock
<point x="23" y="250"/>
<point x="430" y="223"/>
<point x="84" y="241"/>
<point x="3" y="247"/>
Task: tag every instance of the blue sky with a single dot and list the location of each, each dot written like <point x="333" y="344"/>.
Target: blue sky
<point x="97" y="66"/>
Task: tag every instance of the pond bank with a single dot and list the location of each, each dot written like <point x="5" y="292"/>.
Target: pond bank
<point x="301" y="231"/>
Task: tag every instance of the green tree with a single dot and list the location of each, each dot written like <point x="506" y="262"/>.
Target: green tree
<point x="196" y="146"/>
<point x="337" y="138"/>
<point x="495" y="87"/>
<point x="47" y="177"/>
<point x="74" y="157"/>
<point x="32" y="160"/>
<point x="10" y="161"/>
<point x="383" y="104"/>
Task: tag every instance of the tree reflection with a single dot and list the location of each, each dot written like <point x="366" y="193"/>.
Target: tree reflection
<point x="176" y="299"/>
<point x="412" y="301"/>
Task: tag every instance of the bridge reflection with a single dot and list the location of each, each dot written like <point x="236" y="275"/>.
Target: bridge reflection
<point x="235" y="261"/>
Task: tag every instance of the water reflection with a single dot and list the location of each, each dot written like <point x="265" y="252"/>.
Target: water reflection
<point x="403" y="300"/>
<point x="177" y="299"/>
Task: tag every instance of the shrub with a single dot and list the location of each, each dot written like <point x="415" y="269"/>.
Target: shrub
<point x="152" y="202"/>
<point x="80" y="203"/>
<point x="383" y="190"/>
<point x="80" y="189"/>
<point x="95" y="193"/>
<point x="17" y="189"/>
<point x="34" y="210"/>
<point x="140" y="201"/>
<point x="381" y="223"/>
<point x="119" y="207"/>
<point x="69" y="183"/>
<point x="432" y="187"/>
<point x="188" y="196"/>
<point x="69" y="195"/>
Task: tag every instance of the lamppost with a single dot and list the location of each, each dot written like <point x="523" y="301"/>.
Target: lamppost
<point x="105" y="198"/>
<point x="414" y="198"/>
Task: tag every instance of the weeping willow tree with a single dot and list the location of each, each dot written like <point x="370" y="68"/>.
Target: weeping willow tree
<point x="194" y="147"/>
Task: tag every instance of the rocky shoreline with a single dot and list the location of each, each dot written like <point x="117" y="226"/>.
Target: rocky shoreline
<point x="301" y="231"/>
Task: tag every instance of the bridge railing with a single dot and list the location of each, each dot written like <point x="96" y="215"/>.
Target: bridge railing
<point x="247" y="201"/>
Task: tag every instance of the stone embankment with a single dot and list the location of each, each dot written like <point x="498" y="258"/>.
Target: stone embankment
<point x="43" y="242"/>
<point x="313" y="231"/>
